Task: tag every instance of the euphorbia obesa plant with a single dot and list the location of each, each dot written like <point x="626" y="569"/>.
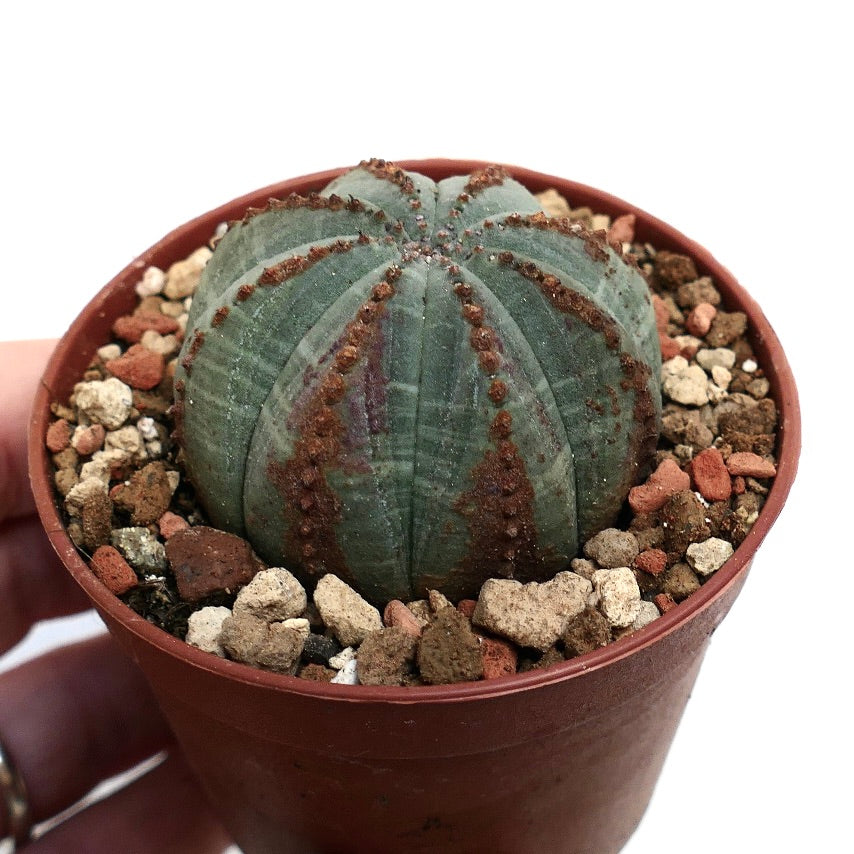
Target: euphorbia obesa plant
<point x="415" y="384"/>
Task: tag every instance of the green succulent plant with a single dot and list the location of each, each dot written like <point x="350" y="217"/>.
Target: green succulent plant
<point x="417" y="385"/>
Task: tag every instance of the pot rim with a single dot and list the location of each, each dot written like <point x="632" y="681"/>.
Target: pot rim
<point x="789" y="442"/>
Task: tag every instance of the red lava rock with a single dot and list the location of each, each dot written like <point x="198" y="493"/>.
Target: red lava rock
<point x="397" y="614"/>
<point x="664" y="602"/>
<point x="112" y="570"/>
<point x="670" y="347"/>
<point x="131" y="327"/>
<point x="666" y="480"/>
<point x="90" y="439"/>
<point x="466" y="607"/>
<point x="499" y="657"/>
<point x="206" y="561"/>
<point x="699" y="321"/>
<point x="662" y="315"/>
<point x="738" y="485"/>
<point x="58" y="436"/>
<point x="747" y="464"/>
<point x="653" y="561"/>
<point x="710" y="474"/>
<point x="170" y="523"/>
<point x="622" y="229"/>
<point x="138" y="367"/>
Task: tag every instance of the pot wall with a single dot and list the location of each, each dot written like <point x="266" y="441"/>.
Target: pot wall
<point x="563" y="759"/>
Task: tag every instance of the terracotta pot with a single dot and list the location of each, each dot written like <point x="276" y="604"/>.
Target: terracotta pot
<point x="562" y="759"/>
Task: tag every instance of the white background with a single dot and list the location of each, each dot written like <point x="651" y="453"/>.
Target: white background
<point x="119" y="123"/>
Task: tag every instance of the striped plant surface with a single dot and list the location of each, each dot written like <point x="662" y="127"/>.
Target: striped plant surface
<point x="417" y="385"/>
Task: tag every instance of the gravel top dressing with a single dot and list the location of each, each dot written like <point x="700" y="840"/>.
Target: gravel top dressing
<point x="132" y="512"/>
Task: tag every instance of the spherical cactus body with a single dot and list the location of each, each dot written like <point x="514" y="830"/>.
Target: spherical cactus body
<point x="417" y="385"/>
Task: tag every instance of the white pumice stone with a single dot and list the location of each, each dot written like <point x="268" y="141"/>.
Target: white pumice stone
<point x="151" y="283"/>
<point x="619" y="595"/>
<point x="348" y="654"/>
<point x="708" y="556"/>
<point x="273" y="595"/>
<point x="684" y="383"/>
<point x="344" y="611"/>
<point x="347" y="675"/>
<point x="106" y="402"/>
<point x="533" y="614"/>
<point x="710" y="357"/>
<point x="204" y="628"/>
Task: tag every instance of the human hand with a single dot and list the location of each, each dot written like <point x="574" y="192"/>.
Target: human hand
<point x="82" y="713"/>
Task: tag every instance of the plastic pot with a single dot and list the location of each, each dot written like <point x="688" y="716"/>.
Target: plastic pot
<point x="560" y="760"/>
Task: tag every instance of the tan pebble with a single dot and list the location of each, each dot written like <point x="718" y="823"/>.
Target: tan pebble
<point x="699" y="320"/>
<point x="182" y="278"/>
<point x="622" y="229"/>
<point x="397" y="614"/>
<point x="109" y="351"/>
<point x="553" y="203"/>
<point x="170" y="523"/>
<point x="438" y="601"/>
<point x="87" y="440"/>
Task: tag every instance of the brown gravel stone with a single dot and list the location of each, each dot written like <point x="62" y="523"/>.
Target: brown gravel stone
<point x="622" y="229"/>
<point x="317" y="673"/>
<point x="670" y="269"/>
<point x="685" y="427"/>
<point x="587" y="631"/>
<point x="95" y="518"/>
<point x="726" y="327"/>
<point x="205" y="561"/>
<point x="146" y="495"/>
<point x="699" y="291"/>
<point x="683" y="519"/>
<point x="139" y="367"/>
<point x="385" y="657"/>
<point x="112" y="570"/>
<point x="679" y="581"/>
<point x="58" y="436"/>
<point x="449" y="650"/>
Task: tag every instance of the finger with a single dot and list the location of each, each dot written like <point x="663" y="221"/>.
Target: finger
<point x="163" y="812"/>
<point x="34" y="585"/>
<point x="21" y="366"/>
<point x="73" y="718"/>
